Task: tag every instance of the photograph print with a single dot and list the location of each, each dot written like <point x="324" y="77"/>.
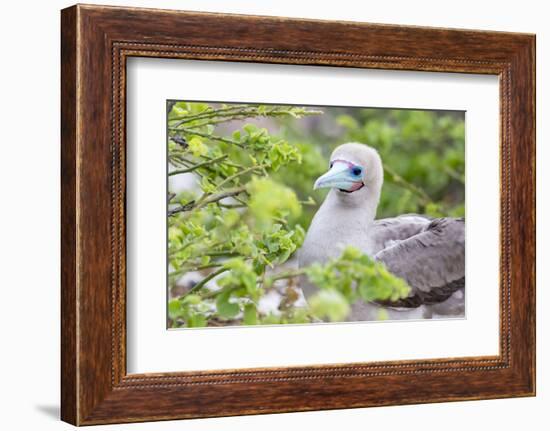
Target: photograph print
<point x="286" y="214"/>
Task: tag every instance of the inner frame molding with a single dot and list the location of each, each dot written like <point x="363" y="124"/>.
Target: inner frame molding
<point x="96" y="42"/>
<point x="121" y="52"/>
<point x="143" y="92"/>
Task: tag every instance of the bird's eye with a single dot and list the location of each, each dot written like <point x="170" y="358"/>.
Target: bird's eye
<point x="330" y="165"/>
<point x="356" y="171"/>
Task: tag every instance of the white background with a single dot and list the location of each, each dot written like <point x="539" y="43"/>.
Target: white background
<point x="151" y="348"/>
<point x="29" y="216"/>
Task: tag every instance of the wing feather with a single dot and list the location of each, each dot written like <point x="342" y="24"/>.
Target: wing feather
<point x="431" y="260"/>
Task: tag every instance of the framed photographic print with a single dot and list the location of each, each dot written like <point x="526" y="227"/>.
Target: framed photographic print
<point x="287" y="215"/>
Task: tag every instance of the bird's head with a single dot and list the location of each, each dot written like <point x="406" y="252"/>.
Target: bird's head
<point x="353" y="167"/>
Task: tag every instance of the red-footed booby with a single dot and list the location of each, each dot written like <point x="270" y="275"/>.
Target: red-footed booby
<point x="428" y="253"/>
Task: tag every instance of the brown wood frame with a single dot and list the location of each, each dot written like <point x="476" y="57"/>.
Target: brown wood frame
<point x="95" y="43"/>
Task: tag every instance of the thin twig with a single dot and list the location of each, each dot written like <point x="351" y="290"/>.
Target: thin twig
<point x="245" y="113"/>
<point x="232" y="206"/>
<point x="180" y="155"/>
<point x="205" y="280"/>
<point x="223" y="253"/>
<point x="187" y="207"/>
<point x="197" y="166"/>
<point x="454" y="174"/>
<point x="208" y="199"/>
<point x="239" y="174"/>
<point x="205" y="114"/>
<point x="182" y="248"/>
<point x="288" y="274"/>
<point x="398" y="179"/>
<point x="212" y="137"/>
<point x="239" y="112"/>
<point x="205" y="200"/>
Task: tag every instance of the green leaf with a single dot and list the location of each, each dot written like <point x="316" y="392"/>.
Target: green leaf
<point x="250" y="128"/>
<point x="174" y="309"/>
<point x="225" y="308"/>
<point x="196" y="321"/>
<point x="269" y="199"/>
<point x="250" y="315"/>
<point x="331" y="304"/>
<point x="191" y="299"/>
<point x="197" y="146"/>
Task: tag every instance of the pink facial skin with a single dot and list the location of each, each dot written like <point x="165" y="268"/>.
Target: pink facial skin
<point x="356" y="186"/>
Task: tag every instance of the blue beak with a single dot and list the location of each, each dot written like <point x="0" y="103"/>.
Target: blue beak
<point x="339" y="176"/>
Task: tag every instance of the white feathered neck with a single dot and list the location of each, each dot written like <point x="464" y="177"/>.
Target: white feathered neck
<point x="344" y="218"/>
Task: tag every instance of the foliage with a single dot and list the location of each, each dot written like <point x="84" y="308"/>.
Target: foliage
<point x="423" y="154"/>
<point x="244" y="214"/>
<point x="353" y="276"/>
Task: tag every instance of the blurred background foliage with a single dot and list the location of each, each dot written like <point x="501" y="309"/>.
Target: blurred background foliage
<point x="241" y="198"/>
<point x="422" y="151"/>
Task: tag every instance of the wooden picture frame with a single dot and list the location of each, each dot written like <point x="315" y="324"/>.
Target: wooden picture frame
<point x="95" y="43"/>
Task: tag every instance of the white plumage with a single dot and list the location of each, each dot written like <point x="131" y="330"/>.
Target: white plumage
<point x="427" y="253"/>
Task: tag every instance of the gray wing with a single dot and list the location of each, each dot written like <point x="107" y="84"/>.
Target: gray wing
<point x="389" y="231"/>
<point x="431" y="260"/>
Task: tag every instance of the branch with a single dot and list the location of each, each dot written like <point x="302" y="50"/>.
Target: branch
<point x="207" y="136"/>
<point x="177" y="160"/>
<point x="454" y="174"/>
<point x="173" y="252"/>
<point x="288" y="274"/>
<point x="232" y="206"/>
<point x="187" y="207"/>
<point x="205" y="200"/>
<point x="208" y="199"/>
<point x="205" y="280"/>
<point x="239" y="174"/>
<point x="180" y="140"/>
<point x="205" y="114"/>
<point x="222" y="253"/>
<point x="197" y="166"/>
<point x="398" y="179"/>
<point x="217" y="117"/>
